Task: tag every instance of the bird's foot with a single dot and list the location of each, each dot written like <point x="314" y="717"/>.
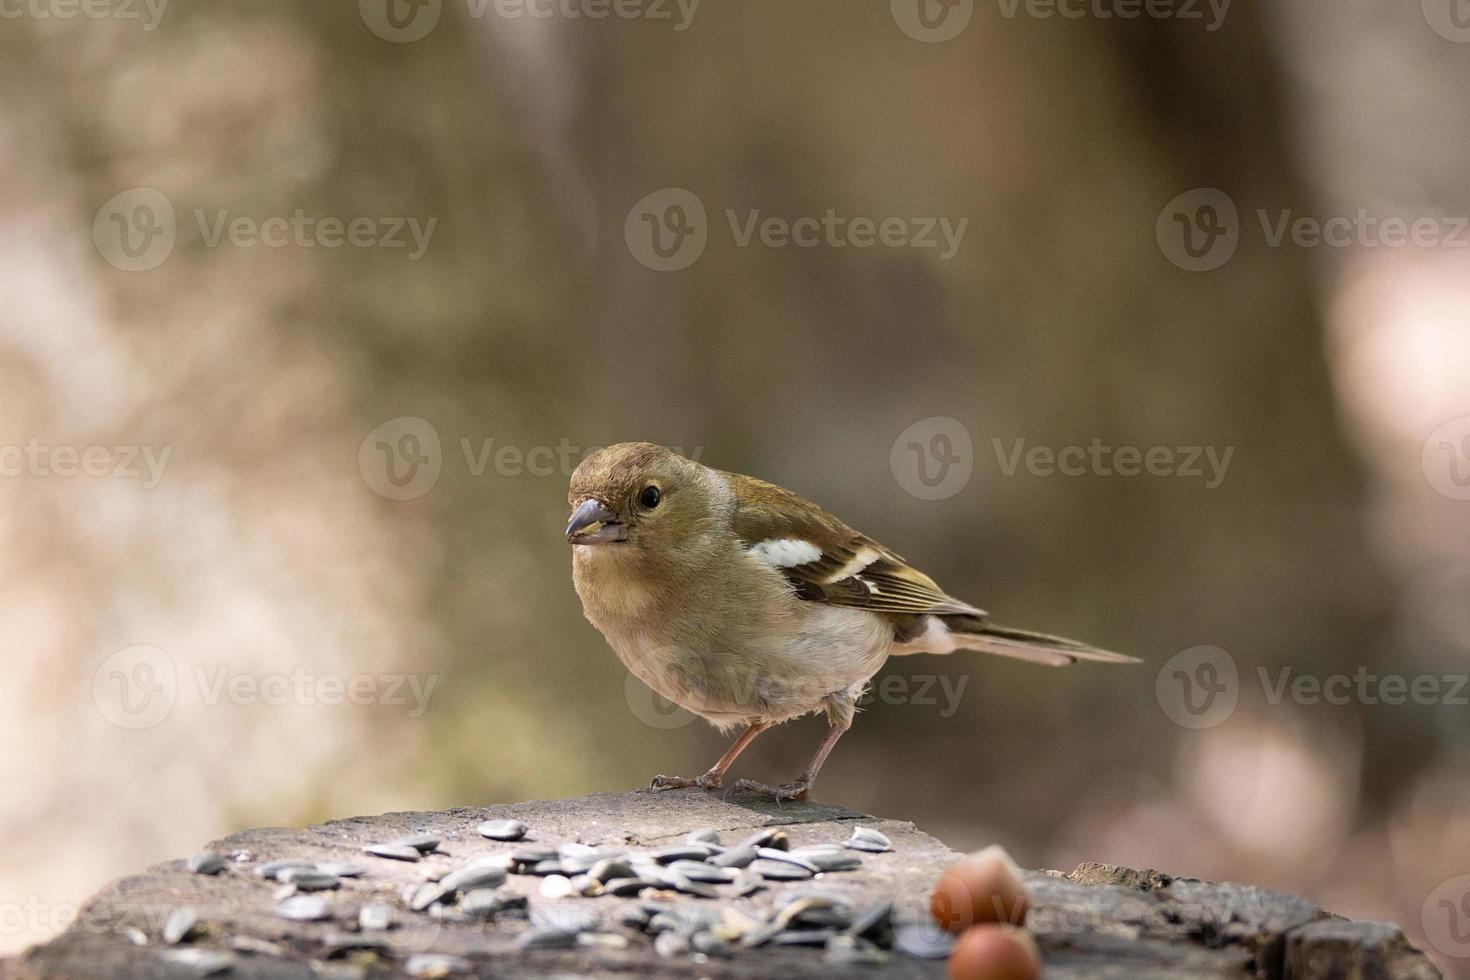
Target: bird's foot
<point x="786" y="791"/>
<point x="709" y="780"/>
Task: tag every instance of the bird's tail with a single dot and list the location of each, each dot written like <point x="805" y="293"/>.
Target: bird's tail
<point x="975" y="633"/>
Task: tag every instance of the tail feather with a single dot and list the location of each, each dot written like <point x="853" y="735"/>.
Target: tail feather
<point x="974" y="633"/>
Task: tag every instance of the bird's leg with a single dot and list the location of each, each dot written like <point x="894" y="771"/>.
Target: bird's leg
<point x="716" y="774"/>
<point x="799" y="789"/>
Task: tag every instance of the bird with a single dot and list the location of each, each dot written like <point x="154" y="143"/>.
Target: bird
<point x="750" y="606"/>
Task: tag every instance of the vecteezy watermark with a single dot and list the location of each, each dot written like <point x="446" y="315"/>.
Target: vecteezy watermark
<point x="668" y="229"/>
<point x="1211" y="13"/>
<point x="403" y="21"/>
<point x="148" y="12"/>
<point x="138" y="687"/>
<point x="932" y="21"/>
<point x="1207" y="463"/>
<point x="137" y="230"/>
<point x="1200" y="230"/>
<point x="933" y="459"/>
<point x="35" y="917"/>
<point x="1446" y="917"/>
<point x="1446" y="459"/>
<point x="1200" y="688"/>
<point x="1450" y="19"/>
<point x="403" y="458"/>
<point x="670" y="686"/>
<point x="143" y="463"/>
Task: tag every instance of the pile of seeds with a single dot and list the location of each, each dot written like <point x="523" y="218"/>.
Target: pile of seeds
<point x="677" y="891"/>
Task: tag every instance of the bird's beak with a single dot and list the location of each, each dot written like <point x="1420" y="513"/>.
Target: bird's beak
<point x="593" y="523"/>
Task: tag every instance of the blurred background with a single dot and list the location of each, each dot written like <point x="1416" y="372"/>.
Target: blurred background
<point x="310" y="309"/>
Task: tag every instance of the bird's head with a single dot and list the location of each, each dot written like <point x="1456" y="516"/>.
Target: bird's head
<point x="636" y="496"/>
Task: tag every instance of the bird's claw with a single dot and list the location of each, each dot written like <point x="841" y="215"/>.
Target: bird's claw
<point x="707" y="781"/>
<point x="786" y="791"/>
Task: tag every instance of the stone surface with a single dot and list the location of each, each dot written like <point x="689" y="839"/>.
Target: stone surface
<point x="1097" y="922"/>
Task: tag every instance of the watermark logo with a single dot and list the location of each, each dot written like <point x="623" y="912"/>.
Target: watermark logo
<point x="136" y="687"/>
<point x="1211" y="13"/>
<point x="149" y="12"/>
<point x="934" y="458"/>
<point x="146" y="464"/>
<point x="1199" y="230"/>
<point x="667" y="230"/>
<point x="401" y="459"/>
<point x="932" y="21"/>
<point x="1450" y="19"/>
<point x="400" y="21"/>
<point x="135" y="230"/>
<point x="1446" y="459"/>
<point x="1446" y="917"/>
<point x="1198" y="688"/>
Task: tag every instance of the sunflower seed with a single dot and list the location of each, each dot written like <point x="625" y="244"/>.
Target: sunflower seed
<point x="609" y="868"/>
<point x="547" y="938"/>
<point x="779" y="870"/>
<point x="670" y="943"/>
<point x="873" y="920"/>
<point x="768" y="837"/>
<point x="811" y="909"/>
<point x="735" y="857"/>
<point x="436" y="965"/>
<point x="375" y="916"/>
<point x="748" y="883"/>
<point x="309" y="879"/>
<point x="180" y="925"/>
<point x="507" y="830"/>
<point x="851" y="951"/>
<point x="481" y="903"/>
<point x="774" y="854"/>
<point x="256" y="947"/>
<point x="423" y="843"/>
<point x="923" y="941"/>
<point x="586" y="886"/>
<point x="429" y="893"/>
<point x="574" y="851"/>
<point x="707" y="873"/>
<point x="711" y="945"/>
<point x="201" y="962"/>
<point x="829" y="858"/>
<point x="868" y="839"/>
<point x="397" y="852"/>
<point x="206" y="863"/>
<point x="342" y="869"/>
<point x="626" y="887"/>
<point x="551" y="866"/>
<point x="476" y="874"/>
<point x="696" y="888"/>
<point x="273" y="869"/>
<point x="303" y="908"/>
<point x="556" y="886"/>
<point x="681" y="852"/>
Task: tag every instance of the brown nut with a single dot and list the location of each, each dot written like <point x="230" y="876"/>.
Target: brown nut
<point x="984" y="887"/>
<point x="995" y="952"/>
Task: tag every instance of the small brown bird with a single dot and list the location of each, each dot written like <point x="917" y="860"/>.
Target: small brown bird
<point x="749" y="605"/>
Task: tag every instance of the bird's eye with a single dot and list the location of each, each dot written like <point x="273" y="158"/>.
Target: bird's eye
<point x="649" y="498"/>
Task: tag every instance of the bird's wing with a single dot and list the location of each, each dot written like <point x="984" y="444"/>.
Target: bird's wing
<point x="827" y="561"/>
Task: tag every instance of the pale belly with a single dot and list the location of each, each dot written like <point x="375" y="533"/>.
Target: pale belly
<point x="787" y="665"/>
